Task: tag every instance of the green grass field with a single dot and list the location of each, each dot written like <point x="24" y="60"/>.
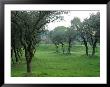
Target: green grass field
<point x="47" y="63"/>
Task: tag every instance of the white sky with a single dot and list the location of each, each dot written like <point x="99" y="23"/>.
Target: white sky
<point x="68" y="17"/>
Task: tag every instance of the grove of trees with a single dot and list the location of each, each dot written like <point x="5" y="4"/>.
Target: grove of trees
<point x="89" y="30"/>
<point x="27" y="26"/>
<point x="88" y="33"/>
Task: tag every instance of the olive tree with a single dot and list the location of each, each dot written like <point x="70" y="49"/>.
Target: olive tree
<point x="89" y="30"/>
<point x="30" y="24"/>
<point x="93" y="30"/>
<point x="58" y="37"/>
<point x="70" y="37"/>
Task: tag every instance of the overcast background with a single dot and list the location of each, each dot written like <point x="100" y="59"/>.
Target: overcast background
<point x="68" y="17"/>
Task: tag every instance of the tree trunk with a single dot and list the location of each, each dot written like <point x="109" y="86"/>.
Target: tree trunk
<point x="63" y="48"/>
<point x="29" y="54"/>
<point x="94" y="46"/>
<point x="69" y="47"/>
<point x="12" y="56"/>
<point x="93" y="51"/>
<point x="12" y="60"/>
<point x="28" y="67"/>
<point x="16" y="55"/>
<point x="86" y="50"/>
<point x="86" y="46"/>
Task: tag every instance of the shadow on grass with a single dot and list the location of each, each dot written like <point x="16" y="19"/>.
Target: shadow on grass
<point x="42" y="74"/>
<point x="89" y="56"/>
<point x="29" y="75"/>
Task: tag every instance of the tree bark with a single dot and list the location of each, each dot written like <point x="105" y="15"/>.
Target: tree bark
<point x="86" y="50"/>
<point x="29" y="55"/>
<point x="93" y="51"/>
<point x="12" y="55"/>
<point x="94" y="46"/>
<point x="29" y="67"/>
<point x="86" y="46"/>
<point x="69" y="47"/>
<point x="16" y="55"/>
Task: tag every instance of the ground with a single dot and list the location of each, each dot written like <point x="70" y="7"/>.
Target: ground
<point x="47" y="63"/>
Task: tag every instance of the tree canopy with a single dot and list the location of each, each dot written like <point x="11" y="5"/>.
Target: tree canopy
<point x="26" y="27"/>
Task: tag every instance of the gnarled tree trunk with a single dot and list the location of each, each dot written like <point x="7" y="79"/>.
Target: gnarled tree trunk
<point x="29" y="55"/>
<point x="86" y="46"/>
<point x="29" y="67"/>
<point x="93" y="47"/>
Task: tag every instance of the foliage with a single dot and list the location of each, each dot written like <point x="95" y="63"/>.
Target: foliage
<point x="70" y="37"/>
<point x="58" y="36"/>
<point x="29" y="25"/>
<point x="89" y="30"/>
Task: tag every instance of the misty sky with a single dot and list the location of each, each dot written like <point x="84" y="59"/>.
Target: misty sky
<point x="68" y="17"/>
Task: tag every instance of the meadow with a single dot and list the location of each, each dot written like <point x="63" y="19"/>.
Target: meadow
<point x="47" y="63"/>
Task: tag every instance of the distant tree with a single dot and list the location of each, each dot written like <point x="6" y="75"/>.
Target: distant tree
<point x="45" y="37"/>
<point x="70" y="37"/>
<point x="72" y="32"/>
<point x="58" y="37"/>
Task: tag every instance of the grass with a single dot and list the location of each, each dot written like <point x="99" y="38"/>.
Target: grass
<point x="47" y="63"/>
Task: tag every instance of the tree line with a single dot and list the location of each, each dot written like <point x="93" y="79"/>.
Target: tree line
<point x="87" y="32"/>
